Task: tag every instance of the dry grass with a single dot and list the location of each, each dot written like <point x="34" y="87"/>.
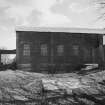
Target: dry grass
<point x="24" y="88"/>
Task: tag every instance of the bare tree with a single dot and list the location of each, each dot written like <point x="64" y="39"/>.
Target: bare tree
<point x="101" y="8"/>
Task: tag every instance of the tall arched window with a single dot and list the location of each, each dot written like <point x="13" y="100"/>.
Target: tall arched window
<point x="60" y="50"/>
<point x="26" y="50"/>
<point x="44" y="50"/>
<point x="76" y="50"/>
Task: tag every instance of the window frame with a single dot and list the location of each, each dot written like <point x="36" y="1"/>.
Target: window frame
<point x="60" y="50"/>
<point x="26" y="49"/>
<point x="44" y="49"/>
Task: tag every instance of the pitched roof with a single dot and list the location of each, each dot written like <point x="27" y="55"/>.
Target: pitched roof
<point x="61" y="29"/>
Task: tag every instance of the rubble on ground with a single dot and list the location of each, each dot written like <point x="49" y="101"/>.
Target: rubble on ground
<point x="25" y="88"/>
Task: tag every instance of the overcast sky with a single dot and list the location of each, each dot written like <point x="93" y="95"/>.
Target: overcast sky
<point x="50" y="13"/>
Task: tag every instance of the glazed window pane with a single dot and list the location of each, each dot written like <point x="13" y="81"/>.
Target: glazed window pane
<point x="76" y="50"/>
<point x="60" y="50"/>
<point x="26" y="51"/>
<point x="44" y="50"/>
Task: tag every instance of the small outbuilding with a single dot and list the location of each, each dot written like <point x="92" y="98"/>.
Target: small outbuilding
<point x="42" y="49"/>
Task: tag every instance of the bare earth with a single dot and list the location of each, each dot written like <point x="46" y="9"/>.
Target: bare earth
<point x="24" y="88"/>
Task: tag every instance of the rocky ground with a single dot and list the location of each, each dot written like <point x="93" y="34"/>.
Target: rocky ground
<point x="24" y="88"/>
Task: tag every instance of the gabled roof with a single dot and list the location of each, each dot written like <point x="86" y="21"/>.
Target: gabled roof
<point x="61" y="29"/>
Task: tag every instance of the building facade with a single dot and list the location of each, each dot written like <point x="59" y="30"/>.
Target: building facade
<point x="58" y="49"/>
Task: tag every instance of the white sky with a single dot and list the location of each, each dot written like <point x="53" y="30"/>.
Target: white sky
<point x="51" y="13"/>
